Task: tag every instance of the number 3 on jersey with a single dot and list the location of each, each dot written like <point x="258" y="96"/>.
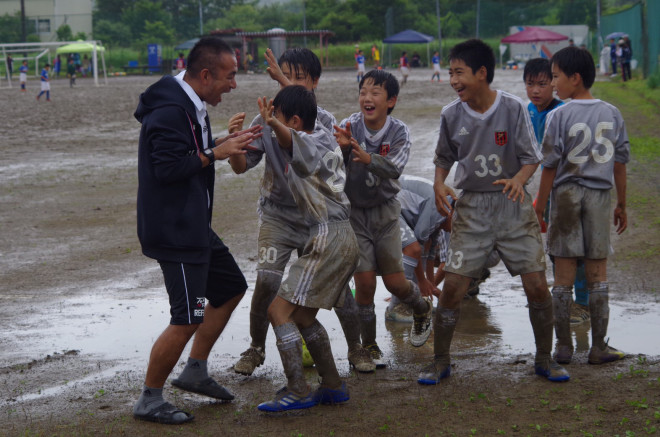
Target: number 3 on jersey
<point x="455" y="263"/>
<point x="601" y="158"/>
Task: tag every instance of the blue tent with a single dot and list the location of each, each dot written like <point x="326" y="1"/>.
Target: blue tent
<point x="410" y="36"/>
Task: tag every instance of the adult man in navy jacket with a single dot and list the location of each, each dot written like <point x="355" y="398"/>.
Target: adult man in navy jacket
<point x="175" y="199"/>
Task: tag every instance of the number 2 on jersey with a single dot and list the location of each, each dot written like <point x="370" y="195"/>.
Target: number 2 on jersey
<point x="574" y="156"/>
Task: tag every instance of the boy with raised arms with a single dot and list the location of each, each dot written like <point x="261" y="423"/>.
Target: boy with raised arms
<point x="318" y="278"/>
<point x="489" y="133"/>
<point x="281" y="226"/>
<point x="376" y="147"/>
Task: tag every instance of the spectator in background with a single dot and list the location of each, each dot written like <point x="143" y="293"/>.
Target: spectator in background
<point x="613" y="59"/>
<point x="180" y="63"/>
<point x="626" y="57"/>
<point x="10" y="65"/>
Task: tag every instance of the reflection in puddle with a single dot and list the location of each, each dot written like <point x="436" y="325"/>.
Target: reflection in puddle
<point x="112" y="324"/>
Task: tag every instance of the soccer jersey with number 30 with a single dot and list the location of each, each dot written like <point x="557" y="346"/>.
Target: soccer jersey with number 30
<point x="489" y="146"/>
<point x="583" y="139"/>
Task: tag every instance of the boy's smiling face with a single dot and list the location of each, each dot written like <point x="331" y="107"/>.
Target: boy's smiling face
<point x="564" y="86"/>
<point x="466" y="83"/>
<point x="374" y="104"/>
<point x="298" y="77"/>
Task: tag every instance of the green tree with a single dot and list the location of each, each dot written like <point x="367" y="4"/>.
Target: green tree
<point x="80" y="36"/>
<point x="64" y="33"/>
<point x="143" y="11"/>
<point x="112" y="33"/>
<point x="157" y="32"/>
<point x="244" y="16"/>
<point x="10" y="28"/>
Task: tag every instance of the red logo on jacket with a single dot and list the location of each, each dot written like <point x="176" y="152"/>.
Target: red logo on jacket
<point x="384" y="149"/>
<point x="501" y="137"/>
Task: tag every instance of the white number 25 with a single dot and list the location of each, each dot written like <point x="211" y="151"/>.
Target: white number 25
<point x="601" y="158"/>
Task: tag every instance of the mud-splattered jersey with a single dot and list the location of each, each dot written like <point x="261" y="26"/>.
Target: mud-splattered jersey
<point x="374" y="184"/>
<point x="583" y="139"/>
<point x="489" y="146"/>
<point x="418" y="209"/>
<point x="274" y="185"/>
<point x="316" y="176"/>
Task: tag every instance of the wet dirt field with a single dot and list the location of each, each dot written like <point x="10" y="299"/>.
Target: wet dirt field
<point x="80" y="306"/>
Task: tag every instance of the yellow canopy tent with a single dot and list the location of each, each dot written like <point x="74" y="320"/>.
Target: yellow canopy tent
<point x="92" y="47"/>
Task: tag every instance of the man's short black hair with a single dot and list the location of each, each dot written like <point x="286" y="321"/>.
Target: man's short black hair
<point x="476" y="54"/>
<point x="537" y="68"/>
<point x="206" y="54"/>
<point x="302" y="59"/>
<point x="384" y="79"/>
<point x="571" y="60"/>
<point x="297" y="100"/>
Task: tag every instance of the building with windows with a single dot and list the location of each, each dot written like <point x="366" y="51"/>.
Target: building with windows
<point x="44" y="17"/>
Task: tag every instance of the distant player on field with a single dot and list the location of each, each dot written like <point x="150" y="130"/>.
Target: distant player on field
<point x="404" y="67"/>
<point x="45" y="83"/>
<point x="585" y="152"/>
<point x="489" y="133"/>
<point x="435" y="60"/>
<point x="360" y="65"/>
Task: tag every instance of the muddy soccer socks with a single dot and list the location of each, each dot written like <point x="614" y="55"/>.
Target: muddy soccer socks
<point x="318" y="345"/>
<point x="540" y="315"/>
<point x="562" y="300"/>
<point x="367" y="315"/>
<point x="600" y="312"/>
<point x="349" y="319"/>
<point x="289" y="344"/>
<point x="415" y="300"/>
<point x="444" y="327"/>
<point x="265" y="290"/>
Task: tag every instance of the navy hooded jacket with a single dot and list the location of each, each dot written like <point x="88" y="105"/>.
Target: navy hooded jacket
<point x="175" y="194"/>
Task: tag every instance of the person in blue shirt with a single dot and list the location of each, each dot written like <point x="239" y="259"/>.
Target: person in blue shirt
<point x="45" y="83"/>
<point x="613" y="59"/>
<point x="537" y="76"/>
<point x="360" y="65"/>
<point x="23" y="70"/>
<point x="435" y="60"/>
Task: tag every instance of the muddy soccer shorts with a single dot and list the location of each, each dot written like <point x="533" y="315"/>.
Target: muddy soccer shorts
<point x="317" y="279"/>
<point x="579" y="222"/>
<point x="487" y="221"/>
<point x="189" y="285"/>
<point x="379" y="237"/>
<point x="281" y="231"/>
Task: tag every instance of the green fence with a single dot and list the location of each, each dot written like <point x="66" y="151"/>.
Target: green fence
<point x="653" y="32"/>
<point x="640" y="22"/>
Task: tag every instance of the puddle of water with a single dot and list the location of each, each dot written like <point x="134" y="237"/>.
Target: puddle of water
<point x="111" y="323"/>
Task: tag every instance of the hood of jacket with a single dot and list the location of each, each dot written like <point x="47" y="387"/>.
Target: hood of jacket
<point x="165" y="92"/>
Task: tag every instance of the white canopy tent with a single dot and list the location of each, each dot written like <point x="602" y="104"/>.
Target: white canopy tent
<point x="41" y="49"/>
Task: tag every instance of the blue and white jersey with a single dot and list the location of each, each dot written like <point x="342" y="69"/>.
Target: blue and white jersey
<point x="360" y="59"/>
<point x="23" y="69"/>
<point x="435" y="60"/>
<point x="538" y="118"/>
<point x="44" y="75"/>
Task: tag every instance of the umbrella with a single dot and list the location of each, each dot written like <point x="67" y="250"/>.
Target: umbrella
<point x="187" y="45"/>
<point x="79" y="47"/>
<point x="534" y="34"/>
<point x="615" y="35"/>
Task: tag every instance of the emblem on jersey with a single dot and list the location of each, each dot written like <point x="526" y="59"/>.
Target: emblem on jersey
<point x="501" y="138"/>
<point x="384" y="149"/>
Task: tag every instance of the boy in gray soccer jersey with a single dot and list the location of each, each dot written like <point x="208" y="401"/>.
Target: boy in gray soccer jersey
<point x="585" y="149"/>
<point x="376" y="147"/>
<point x="489" y="134"/>
<point x="319" y="276"/>
<point x="420" y="224"/>
<point x="281" y="226"/>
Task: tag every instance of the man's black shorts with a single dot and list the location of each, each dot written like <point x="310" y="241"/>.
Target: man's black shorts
<point x="189" y="285"/>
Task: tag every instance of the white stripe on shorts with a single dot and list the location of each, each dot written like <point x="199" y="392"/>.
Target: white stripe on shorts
<point x="307" y="277"/>
<point x="185" y="285"/>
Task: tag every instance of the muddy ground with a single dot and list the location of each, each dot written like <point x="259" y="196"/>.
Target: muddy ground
<point x="71" y="270"/>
